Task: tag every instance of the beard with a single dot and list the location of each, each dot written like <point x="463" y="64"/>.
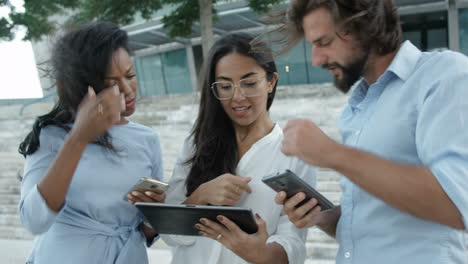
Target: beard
<point x="351" y="72"/>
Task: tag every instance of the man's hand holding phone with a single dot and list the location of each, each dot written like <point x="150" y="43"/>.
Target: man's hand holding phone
<point x="309" y="214"/>
<point x="306" y="215"/>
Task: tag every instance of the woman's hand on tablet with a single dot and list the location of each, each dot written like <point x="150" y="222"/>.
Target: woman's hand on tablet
<point x="239" y="242"/>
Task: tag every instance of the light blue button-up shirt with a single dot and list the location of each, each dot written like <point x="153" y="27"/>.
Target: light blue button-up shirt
<point x="416" y="114"/>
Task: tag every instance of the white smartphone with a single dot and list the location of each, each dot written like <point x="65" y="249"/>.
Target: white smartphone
<point x="148" y="184"/>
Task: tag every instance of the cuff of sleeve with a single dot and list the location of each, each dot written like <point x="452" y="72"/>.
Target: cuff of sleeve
<point x="44" y="203"/>
<point x="454" y="189"/>
<point x="178" y="240"/>
<point x="284" y="244"/>
<point x="37" y="216"/>
<point x="294" y="255"/>
<point x="150" y="243"/>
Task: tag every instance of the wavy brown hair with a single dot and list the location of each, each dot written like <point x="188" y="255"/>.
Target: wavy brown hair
<point x="374" y="23"/>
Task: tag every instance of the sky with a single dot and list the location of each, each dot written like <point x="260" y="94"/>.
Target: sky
<point x="18" y="72"/>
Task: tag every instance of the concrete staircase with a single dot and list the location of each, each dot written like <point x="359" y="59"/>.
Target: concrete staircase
<point x="172" y="117"/>
<point x="10" y="169"/>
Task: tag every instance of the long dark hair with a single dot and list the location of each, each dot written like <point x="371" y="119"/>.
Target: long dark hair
<point x="80" y="58"/>
<point x="213" y="134"/>
<point x="375" y="23"/>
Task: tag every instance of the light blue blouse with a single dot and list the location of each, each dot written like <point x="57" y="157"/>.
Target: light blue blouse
<point x="95" y="224"/>
<point x="415" y="114"/>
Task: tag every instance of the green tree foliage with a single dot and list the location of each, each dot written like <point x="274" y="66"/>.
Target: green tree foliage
<point x="39" y="14"/>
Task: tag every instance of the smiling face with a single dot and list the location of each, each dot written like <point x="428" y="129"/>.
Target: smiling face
<point x="333" y="50"/>
<point x="122" y="73"/>
<point x="244" y="111"/>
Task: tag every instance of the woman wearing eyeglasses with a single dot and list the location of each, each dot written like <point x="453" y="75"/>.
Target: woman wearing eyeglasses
<point x="233" y="144"/>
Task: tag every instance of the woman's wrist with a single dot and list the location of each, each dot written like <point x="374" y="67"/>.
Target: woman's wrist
<point x="264" y="254"/>
<point x="149" y="231"/>
<point x="74" y="138"/>
<point x="197" y="197"/>
<point x="271" y="253"/>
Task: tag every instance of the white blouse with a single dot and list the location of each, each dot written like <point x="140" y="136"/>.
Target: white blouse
<point x="263" y="158"/>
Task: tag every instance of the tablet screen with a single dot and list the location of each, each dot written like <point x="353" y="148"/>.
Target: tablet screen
<point x="180" y="219"/>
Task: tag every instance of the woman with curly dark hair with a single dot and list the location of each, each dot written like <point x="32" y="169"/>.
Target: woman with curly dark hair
<point x="84" y="155"/>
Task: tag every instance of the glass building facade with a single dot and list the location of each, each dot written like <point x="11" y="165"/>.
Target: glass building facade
<point x="425" y="23"/>
<point x="295" y="67"/>
<point x="427" y="31"/>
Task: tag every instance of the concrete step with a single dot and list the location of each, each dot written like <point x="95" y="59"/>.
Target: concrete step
<point x="15" y="233"/>
<point x="11" y="166"/>
<point x="169" y="101"/>
<point x="11" y="162"/>
<point x="11" y="173"/>
<point x="321" y="250"/>
<point x="11" y="220"/>
<point x="7" y="156"/>
<point x="149" y="120"/>
<point x="10" y="189"/>
<point x="9" y="182"/>
<point x="334" y="197"/>
<point x="8" y="209"/>
<point x="316" y="235"/>
<point x="9" y="199"/>
<point x="328" y="186"/>
<point x="328" y="175"/>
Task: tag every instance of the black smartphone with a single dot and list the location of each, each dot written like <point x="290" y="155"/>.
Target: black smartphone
<point x="292" y="184"/>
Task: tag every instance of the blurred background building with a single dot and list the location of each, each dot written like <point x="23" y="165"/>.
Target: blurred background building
<point x="163" y="63"/>
<point x="167" y="76"/>
<point x="170" y="66"/>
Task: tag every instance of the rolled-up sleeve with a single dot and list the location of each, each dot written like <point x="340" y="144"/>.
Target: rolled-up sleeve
<point x="442" y="137"/>
<point x="34" y="212"/>
<point x="292" y="240"/>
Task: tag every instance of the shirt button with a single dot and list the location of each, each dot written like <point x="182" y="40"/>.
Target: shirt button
<point x="347" y="255"/>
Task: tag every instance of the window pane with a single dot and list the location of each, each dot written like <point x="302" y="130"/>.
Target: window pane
<point x="176" y="72"/>
<point x="291" y="66"/>
<point x="149" y="75"/>
<point x="463" y="17"/>
<point x="414" y="37"/>
<point x="437" y="39"/>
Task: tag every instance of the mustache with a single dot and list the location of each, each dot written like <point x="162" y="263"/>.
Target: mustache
<point x="327" y="66"/>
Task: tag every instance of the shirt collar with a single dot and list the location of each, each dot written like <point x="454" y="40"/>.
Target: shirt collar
<point x="358" y="93"/>
<point x="405" y="60"/>
<point x="402" y="66"/>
